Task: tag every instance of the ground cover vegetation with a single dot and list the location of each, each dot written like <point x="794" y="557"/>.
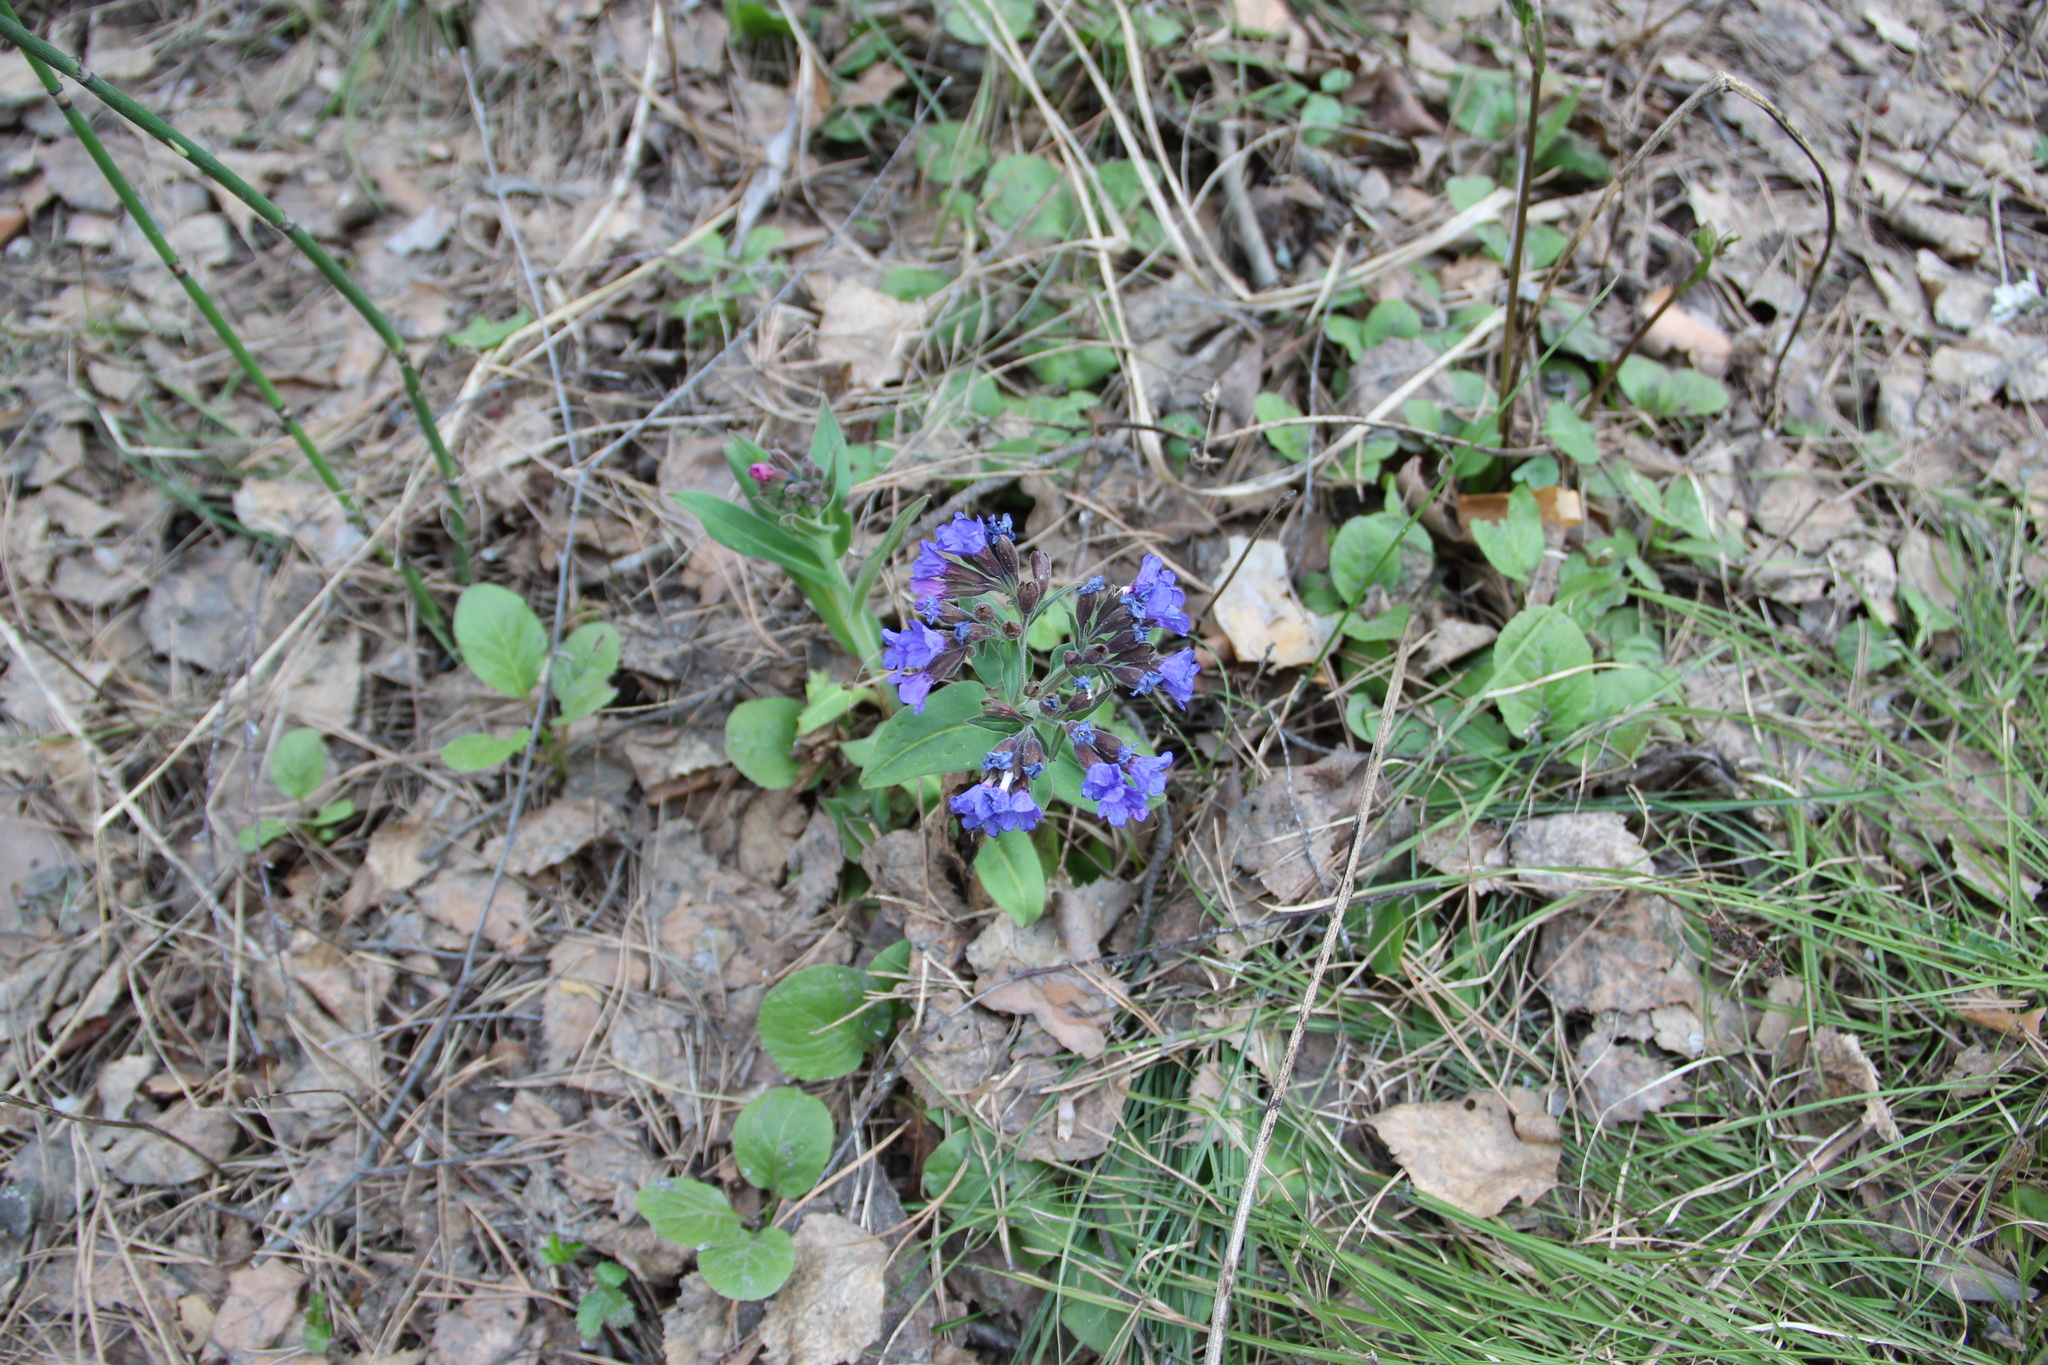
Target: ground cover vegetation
<point x="985" y="680"/>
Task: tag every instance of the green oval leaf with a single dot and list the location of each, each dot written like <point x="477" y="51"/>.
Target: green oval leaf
<point x="482" y="333"/>
<point x="474" y="753"/>
<point x="782" y="1140"/>
<point x="581" y="677"/>
<point x="298" y="763"/>
<point x="749" y="1266"/>
<point x="1386" y="548"/>
<point x="811" y="1022"/>
<point x="944" y="739"/>
<point x="502" y="641"/>
<point x="1514" y="544"/>
<point x="1571" y="433"/>
<point x="1291" y="442"/>
<point x="1012" y="875"/>
<point x="688" y="1212"/>
<point x="758" y="737"/>
<point x="1542" y="672"/>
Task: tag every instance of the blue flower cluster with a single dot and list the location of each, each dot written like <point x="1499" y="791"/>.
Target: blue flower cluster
<point x="976" y="595"/>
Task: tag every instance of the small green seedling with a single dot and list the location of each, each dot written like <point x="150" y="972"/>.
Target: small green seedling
<point x="560" y="1252"/>
<point x="1514" y="544"/>
<point x="319" y="1332"/>
<point x="605" y="1303"/>
<point x="780" y="1142"/>
<point x="298" y="765"/>
<point x="506" y="647"/>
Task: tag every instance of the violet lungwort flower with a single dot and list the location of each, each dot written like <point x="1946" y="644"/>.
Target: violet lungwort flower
<point x="911" y="648"/>
<point x="1177" y="675"/>
<point x="963" y="536"/>
<point x="1116" y="798"/>
<point x="1155" y="597"/>
<point x="912" y="689"/>
<point x="1148" y="775"/>
<point x="992" y="810"/>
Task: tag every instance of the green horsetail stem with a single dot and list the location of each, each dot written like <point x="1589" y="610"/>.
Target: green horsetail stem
<point x="430" y="611"/>
<point x="43" y="55"/>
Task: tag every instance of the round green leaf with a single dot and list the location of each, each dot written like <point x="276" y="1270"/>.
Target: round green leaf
<point x="944" y="739"/>
<point x="501" y="639"/>
<point x="581" y="678"/>
<point x="1571" y="433"/>
<point x="1386" y="548"/>
<point x="298" y="763"/>
<point x="950" y="153"/>
<point x="1542" y="672"/>
<point x="687" y="1212"/>
<point x="759" y="735"/>
<point x="749" y="1266"/>
<point x="782" y="1140"/>
<point x="474" y="753"/>
<point x="810" y="1022"/>
<point x="1010" y="872"/>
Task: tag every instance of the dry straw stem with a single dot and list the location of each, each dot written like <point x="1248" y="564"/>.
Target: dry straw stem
<point x="203" y="301"/>
<point x="1233" y="1249"/>
<point x="36" y="50"/>
<point x="1511" y="336"/>
<point x="1721" y="84"/>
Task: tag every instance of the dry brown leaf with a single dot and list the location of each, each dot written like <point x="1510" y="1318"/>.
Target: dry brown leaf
<point x="2000" y="1016"/>
<point x="321" y="684"/>
<point x="1478" y="1153"/>
<point x="301" y="510"/>
<point x="1556" y="506"/>
<point x="958" y="1054"/>
<point x="1260" y="613"/>
<point x="865" y="330"/>
<point x="553" y="834"/>
<point x="261" y="1303"/>
<point x="397" y="853"/>
<point x="1069" y="1005"/>
<point x="146" y="1159"/>
<point x="489" y="1329"/>
<point x="1460" y="850"/>
<point x="1678" y="330"/>
<point x="831" y="1307"/>
<point x="817" y="858"/>
<point x="581" y="979"/>
<point x="200" y="612"/>
<point x="1273" y="19"/>
<point x="693" y="1332"/>
<point x="456" y="896"/>
<point x="1449" y="640"/>
<point x="1056" y="1118"/>
<point x="1619" y="954"/>
<point x="1625" y="1082"/>
<point x="1307" y="811"/>
<point x="1596" y="840"/>
<point x="1842" y="1072"/>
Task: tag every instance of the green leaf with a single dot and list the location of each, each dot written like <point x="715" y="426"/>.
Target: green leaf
<point x="1028" y="193"/>
<point x="864" y="582"/>
<point x="968" y="20"/>
<point x="1482" y="102"/>
<point x="265" y="831"/>
<point x="782" y="1140"/>
<point x="689" y="1213"/>
<point x="298" y="763"/>
<point x="810" y="1022"/>
<point x="1384" y="548"/>
<point x="482" y="334"/>
<point x="753" y="20"/>
<point x="1391" y="318"/>
<point x="333" y="813"/>
<point x="911" y="284"/>
<point x="604" y="1304"/>
<point x="1291" y="442"/>
<point x="1533" y="651"/>
<point x="944" y="739"/>
<point x="1552" y="123"/>
<point x="581" y="678"/>
<point x="1052" y="625"/>
<point x="559" y="1252"/>
<point x="949" y="153"/>
<point x="1017" y="1192"/>
<point x="826" y="701"/>
<point x="1514" y="545"/>
<point x="1010" y="872"/>
<point x="1571" y="433"/>
<point x="828" y="450"/>
<point x="1665" y="392"/>
<point x="319" y="1333"/>
<point x="753" y="535"/>
<point x="749" y="1266"/>
<point x="759" y="735"/>
<point x="1466" y="190"/>
<point x="502" y="641"/>
<point x="474" y="753"/>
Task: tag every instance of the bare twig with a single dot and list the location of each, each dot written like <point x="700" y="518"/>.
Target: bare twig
<point x="89" y="1121"/>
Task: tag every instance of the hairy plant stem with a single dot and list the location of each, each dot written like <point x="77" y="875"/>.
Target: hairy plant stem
<point x="1511" y="332"/>
<point x="45" y="56"/>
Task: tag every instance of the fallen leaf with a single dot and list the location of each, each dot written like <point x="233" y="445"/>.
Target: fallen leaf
<point x="1260" y="613"/>
<point x="553" y="834"/>
<point x="817" y="857"/>
<point x="1706" y="345"/>
<point x="1450" y="640"/>
<point x="831" y="1307"/>
<point x="1069" y="1005"/>
<point x="667" y="755"/>
<point x="1618" y="954"/>
<point x="1457" y="849"/>
<point x="693" y="1332"/>
<point x="903" y="868"/>
<point x="1305" y="812"/>
<point x="1478" y="1153"/>
<point x="260" y="1304"/>
<point x="456" y="898"/>
<point x="1841" y="1072"/>
<point x="488" y="1329"/>
<point x="118" y="1082"/>
<point x="1273" y="19"/>
<point x="1625" y="1082"/>
<point x="1556" y="506"/>
<point x="768" y="829"/>
<point x="304" y="511"/>
<point x="396" y="855"/>
<point x="321" y="684"/>
<point x="1598" y="841"/>
<point x="2000" y="1016"/>
<point x="1056" y="1117"/>
<point x="201" y="611"/>
<point x="865" y="330"/>
<point x="1928" y="567"/>
<point x="581" y="978"/>
<point x="146" y="1159"/>
<point x="957" y="1054"/>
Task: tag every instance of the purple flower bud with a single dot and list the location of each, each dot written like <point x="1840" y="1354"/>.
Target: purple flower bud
<point x="1082" y="732"/>
<point x="763" y="473"/>
<point x="998" y="761"/>
<point x="1092" y="586"/>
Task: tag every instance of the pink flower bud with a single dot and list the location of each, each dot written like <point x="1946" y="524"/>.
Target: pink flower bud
<point x="763" y="473"/>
